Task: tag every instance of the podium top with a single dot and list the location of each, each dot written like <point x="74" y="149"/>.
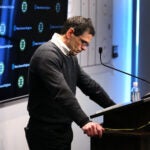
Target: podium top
<point x="120" y="107"/>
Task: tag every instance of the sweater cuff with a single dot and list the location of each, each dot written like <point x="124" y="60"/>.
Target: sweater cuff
<point x="84" y="122"/>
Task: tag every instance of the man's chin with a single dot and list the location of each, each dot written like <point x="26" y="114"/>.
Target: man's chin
<point x="73" y="53"/>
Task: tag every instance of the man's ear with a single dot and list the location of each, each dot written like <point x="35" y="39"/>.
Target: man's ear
<point x="70" y="32"/>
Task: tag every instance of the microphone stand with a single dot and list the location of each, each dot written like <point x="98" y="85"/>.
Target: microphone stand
<point x="100" y="51"/>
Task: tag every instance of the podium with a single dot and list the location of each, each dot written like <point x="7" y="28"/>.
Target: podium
<point x="127" y="127"/>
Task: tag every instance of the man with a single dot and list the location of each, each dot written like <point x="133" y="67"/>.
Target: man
<point x="53" y="76"/>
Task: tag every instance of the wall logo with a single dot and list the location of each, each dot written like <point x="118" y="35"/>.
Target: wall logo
<point x="24" y="7"/>
<point x="2" y="67"/>
<point x="20" y="81"/>
<point x="2" y="29"/>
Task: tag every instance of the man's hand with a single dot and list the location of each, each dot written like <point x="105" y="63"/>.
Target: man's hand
<point x="93" y="129"/>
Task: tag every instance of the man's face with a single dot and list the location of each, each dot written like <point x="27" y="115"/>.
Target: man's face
<point x="80" y="43"/>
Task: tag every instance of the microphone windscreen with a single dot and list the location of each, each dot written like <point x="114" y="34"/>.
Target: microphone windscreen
<point x="100" y="50"/>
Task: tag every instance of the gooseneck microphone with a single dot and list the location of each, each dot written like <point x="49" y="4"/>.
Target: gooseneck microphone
<point x="100" y="52"/>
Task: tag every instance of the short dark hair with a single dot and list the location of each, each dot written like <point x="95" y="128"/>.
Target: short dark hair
<point x="80" y="25"/>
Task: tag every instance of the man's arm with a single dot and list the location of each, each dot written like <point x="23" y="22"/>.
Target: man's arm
<point x="92" y="89"/>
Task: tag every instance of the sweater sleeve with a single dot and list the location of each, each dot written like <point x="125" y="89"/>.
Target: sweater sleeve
<point x="92" y="89"/>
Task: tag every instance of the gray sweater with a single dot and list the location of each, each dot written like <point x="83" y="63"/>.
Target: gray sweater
<point x="53" y="79"/>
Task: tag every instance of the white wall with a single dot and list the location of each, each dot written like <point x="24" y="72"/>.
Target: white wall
<point x="14" y="116"/>
<point x="122" y="37"/>
<point x="13" y="119"/>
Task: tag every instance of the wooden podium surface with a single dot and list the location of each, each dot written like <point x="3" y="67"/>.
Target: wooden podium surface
<point x="127" y="128"/>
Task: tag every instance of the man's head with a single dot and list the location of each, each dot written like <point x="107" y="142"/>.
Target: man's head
<point x="77" y="33"/>
<point x="79" y="24"/>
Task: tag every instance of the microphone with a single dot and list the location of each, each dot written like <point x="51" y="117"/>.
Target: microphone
<point x="100" y="52"/>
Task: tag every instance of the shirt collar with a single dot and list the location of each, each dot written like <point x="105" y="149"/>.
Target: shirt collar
<point x="60" y="44"/>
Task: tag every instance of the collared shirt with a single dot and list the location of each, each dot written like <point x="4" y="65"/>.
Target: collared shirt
<point x="60" y="44"/>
